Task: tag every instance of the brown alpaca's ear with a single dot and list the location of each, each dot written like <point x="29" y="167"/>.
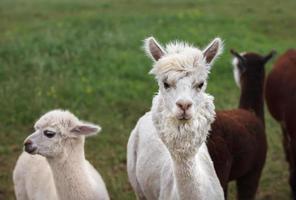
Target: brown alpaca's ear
<point x="269" y="56"/>
<point x="153" y="49"/>
<point x="213" y="50"/>
<point x="242" y="60"/>
<point x="238" y="56"/>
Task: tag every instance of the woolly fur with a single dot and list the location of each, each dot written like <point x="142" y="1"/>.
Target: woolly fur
<point x="167" y="157"/>
<point x="60" y="171"/>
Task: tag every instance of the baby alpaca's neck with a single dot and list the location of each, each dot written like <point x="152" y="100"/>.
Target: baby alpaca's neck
<point x="70" y="173"/>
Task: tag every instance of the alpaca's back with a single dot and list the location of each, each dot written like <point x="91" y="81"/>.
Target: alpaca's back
<point x="280" y="94"/>
<point x="281" y="86"/>
<point x="33" y="178"/>
<point x="237" y="144"/>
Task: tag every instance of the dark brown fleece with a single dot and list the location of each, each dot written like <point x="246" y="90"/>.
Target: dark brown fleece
<point x="237" y="143"/>
<point x="280" y="94"/>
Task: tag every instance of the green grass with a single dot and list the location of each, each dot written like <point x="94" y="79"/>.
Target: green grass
<point x="86" y="56"/>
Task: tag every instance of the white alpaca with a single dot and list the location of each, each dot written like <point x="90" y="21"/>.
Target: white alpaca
<point x="167" y="157"/>
<point x="61" y="172"/>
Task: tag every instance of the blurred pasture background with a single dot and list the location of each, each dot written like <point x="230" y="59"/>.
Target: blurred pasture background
<point x="86" y="56"/>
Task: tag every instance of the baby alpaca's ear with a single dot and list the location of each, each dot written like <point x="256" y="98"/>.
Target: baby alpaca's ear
<point x="86" y="129"/>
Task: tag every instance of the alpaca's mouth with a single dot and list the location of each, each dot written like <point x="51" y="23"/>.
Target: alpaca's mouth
<point x="30" y="149"/>
<point x="184" y="117"/>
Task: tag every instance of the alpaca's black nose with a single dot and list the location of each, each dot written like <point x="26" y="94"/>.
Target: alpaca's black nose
<point x="29" y="146"/>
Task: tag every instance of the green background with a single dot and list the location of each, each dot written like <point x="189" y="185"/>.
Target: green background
<point x="86" y="56"/>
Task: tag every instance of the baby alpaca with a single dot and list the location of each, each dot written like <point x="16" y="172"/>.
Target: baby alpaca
<point x="57" y="168"/>
<point x="167" y="157"/>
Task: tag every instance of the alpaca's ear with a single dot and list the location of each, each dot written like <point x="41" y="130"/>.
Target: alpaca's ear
<point x="238" y="56"/>
<point x="86" y="129"/>
<point x="269" y="56"/>
<point x="242" y="61"/>
<point x="213" y="50"/>
<point x="153" y="49"/>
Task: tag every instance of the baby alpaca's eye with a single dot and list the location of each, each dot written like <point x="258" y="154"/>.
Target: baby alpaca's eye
<point x="166" y="85"/>
<point x="49" y="134"/>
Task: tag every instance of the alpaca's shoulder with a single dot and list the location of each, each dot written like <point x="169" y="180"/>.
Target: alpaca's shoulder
<point x="142" y="130"/>
<point x="145" y="122"/>
<point x="144" y="135"/>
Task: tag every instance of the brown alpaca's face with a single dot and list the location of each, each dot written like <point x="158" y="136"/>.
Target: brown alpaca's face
<point x="249" y="66"/>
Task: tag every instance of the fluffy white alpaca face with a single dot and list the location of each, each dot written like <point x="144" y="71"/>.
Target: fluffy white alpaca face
<point x="53" y="129"/>
<point x="182" y="72"/>
<point x="46" y="141"/>
<point x="182" y="92"/>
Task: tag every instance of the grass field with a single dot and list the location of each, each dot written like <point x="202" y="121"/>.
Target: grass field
<point x="86" y="56"/>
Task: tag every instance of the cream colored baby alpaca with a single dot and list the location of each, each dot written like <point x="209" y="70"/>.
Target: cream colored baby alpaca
<point x="54" y="165"/>
<point x="167" y="156"/>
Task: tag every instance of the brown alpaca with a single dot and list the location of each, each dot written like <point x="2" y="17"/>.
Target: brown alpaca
<point x="237" y="143"/>
<point x="280" y="94"/>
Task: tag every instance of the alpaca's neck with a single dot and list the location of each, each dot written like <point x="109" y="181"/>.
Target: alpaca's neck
<point x="183" y="141"/>
<point x="252" y="96"/>
<point x="187" y="178"/>
<point x="70" y="174"/>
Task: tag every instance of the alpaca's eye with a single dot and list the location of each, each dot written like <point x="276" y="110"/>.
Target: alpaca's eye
<point x="166" y="85"/>
<point x="200" y="85"/>
<point x="49" y="134"/>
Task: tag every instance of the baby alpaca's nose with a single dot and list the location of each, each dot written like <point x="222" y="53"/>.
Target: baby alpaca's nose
<point x="29" y="146"/>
